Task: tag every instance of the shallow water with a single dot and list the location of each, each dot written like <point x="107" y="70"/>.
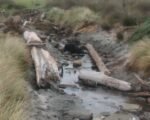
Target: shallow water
<point x="96" y="100"/>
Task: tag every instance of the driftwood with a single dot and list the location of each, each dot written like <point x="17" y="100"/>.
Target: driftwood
<point x="45" y="65"/>
<point x="141" y="81"/>
<point x="97" y="59"/>
<point x="140" y="94"/>
<point x="99" y="78"/>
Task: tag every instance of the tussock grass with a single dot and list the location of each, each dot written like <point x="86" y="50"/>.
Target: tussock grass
<point x="140" y="56"/>
<point x="72" y="17"/>
<point x="12" y="73"/>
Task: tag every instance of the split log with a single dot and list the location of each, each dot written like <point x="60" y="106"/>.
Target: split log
<point x="32" y="38"/>
<point x="97" y="59"/>
<point x="45" y="65"/>
<point x="99" y="78"/>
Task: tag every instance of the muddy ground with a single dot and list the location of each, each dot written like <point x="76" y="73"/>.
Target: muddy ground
<point x="74" y="101"/>
<point x="70" y="99"/>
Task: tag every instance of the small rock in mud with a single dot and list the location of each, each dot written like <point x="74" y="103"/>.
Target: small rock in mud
<point x="79" y="115"/>
<point x="77" y="63"/>
<point x="105" y="113"/>
<point x="122" y="116"/>
<point x="131" y="107"/>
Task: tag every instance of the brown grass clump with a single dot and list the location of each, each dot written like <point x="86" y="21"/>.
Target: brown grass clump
<point x="140" y="57"/>
<point x="12" y="73"/>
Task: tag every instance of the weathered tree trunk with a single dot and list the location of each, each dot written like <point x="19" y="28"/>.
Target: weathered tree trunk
<point x="32" y="38"/>
<point x="97" y="59"/>
<point x="99" y="78"/>
<point x="45" y="65"/>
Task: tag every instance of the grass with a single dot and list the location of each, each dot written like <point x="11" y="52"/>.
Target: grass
<point x="72" y="17"/>
<point x="142" y="31"/>
<point x="12" y="78"/>
<point x="127" y="12"/>
<point x="30" y="3"/>
<point x="140" y="56"/>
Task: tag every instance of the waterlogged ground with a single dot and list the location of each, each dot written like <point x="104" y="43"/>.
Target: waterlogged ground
<point x="78" y="102"/>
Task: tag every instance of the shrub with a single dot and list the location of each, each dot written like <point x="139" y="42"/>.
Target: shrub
<point x="143" y="6"/>
<point x="106" y="26"/>
<point x="129" y="21"/>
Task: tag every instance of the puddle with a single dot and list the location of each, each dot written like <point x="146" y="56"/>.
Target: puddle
<point x="97" y="100"/>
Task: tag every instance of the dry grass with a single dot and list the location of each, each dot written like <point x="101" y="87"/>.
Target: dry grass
<point x="12" y="73"/>
<point x="140" y="56"/>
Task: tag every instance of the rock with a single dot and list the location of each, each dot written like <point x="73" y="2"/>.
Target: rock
<point x="146" y="116"/>
<point x="77" y="63"/>
<point x="80" y="115"/>
<point x="99" y="118"/>
<point x="141" y="99"/>
<point x="105" y="113"/>
<point x="122" y="116"/>
<point x="131" y="107"/>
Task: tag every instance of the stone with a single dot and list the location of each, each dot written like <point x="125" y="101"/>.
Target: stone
<point x="122" y="116"/>
<point x="77" y="63"/>
<point x="131" y="107"/>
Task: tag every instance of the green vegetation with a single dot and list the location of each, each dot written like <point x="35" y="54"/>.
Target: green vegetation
<point x="73" y="16"/>
<point x="30" y="3"/>
<point x="12" y="78"/>
<point x="142" y="31"/>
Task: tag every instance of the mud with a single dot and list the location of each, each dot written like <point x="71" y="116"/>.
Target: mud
<point x="78" y="102"/>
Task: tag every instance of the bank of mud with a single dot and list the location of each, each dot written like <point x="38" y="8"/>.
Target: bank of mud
<point x="74" y="101"/>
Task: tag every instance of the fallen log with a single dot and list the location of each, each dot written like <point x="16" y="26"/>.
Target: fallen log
<point x="140" y="94"/>
<point x="45" y="65"/>
<point x="32" y="38"/>
<point x="97" y="59"/>
<point x="99" y="78"/>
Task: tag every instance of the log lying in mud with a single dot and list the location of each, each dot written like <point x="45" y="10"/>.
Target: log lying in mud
<point x="45" y="65"/>
<point x="99" y="78"/>
<point x="97" y="59"/>
<point x="32" y="39"/>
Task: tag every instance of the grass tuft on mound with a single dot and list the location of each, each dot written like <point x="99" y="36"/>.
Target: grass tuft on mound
<point x="140" y="56"/>
<point x="12" y="83"/>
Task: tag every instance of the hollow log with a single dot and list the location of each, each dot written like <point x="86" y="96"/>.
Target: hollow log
<point x="45" y="65"/>
<point x="99" y="78"/>
<point x="97" y="59"/>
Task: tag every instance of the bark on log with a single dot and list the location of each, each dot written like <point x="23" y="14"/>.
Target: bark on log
<point x="140" y="94"/>
<point x="32" y="38"/>
<point x="99" y="78"/>
<point x="97" y="59"/>
<point x="45" y="65"/>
